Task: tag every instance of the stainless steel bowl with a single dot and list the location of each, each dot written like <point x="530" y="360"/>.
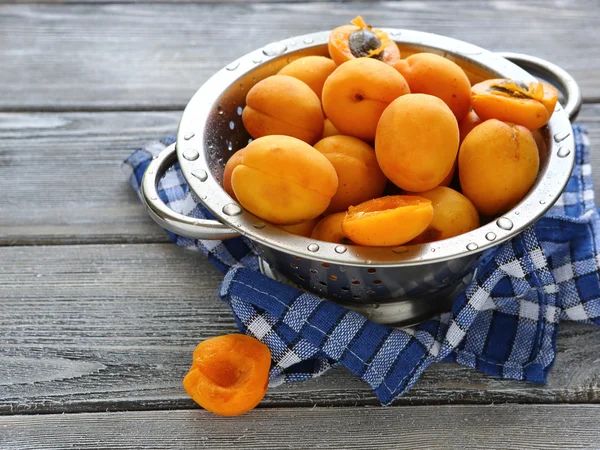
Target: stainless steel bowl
<point x="400" y="285"/>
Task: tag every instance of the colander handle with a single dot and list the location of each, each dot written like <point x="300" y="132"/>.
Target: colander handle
<point x="555" y="75"/>
<point x="165" y="216"/>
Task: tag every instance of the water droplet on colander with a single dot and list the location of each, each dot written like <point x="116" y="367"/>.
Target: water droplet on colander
<point x="257" y="59"/>
<point x="274" y="49"/>
<point x="472" y="246"/>
<point x="231" y="124"/>
<point x="188" y="136"/>
<point x="558" y="108"/>
<point x="490" y="236"/>
<point x="200" y="174"/>
<point x="558" y="137"/>
<point x="154" y="197"/>
<point x="517" y="213"/>
<point x="240" y="110"/>
<point x="368" y="261"/>
<point x="204" y="197"/>
<point x="433" y="249"/>
<point x="375" y="305"/>
<point x="232" y="209"/>
<point x="396" y="33"/>
<point x="150" y="172"/>
<point x="400" y="250"/>
<point x="155" y="157"/>
<point x="292" y="43"/>
<point x="191" y="155"/>
<point x="220" y="109"/>
<point x="563" y="152"/>
<point x="542" y="202"/>
<point x="259" y="225"/>
<point x="234" y="65"/>
<point x="309" y="40"/>
<point x="504" y="223"/>
<point x="342" y="269"/>
<point x="229" y="146"/>
<point x="250" y="140"/>
<point x="313" y="248"/>
<point x="340" y="249"/>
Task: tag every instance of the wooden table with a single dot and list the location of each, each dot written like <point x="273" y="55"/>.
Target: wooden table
<point x="100" y="313"/>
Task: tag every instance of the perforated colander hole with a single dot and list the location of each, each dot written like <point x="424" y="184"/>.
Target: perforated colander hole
<point x="356" y="297"/>
<point x="297" y="258"/>
<point x="294" y="266"/>
<point x="376" y="281"/>
<point x="313" y="271"/>
<point x="345" y="289"/>
<point x="325" y="265"/>
<point x="371" y="292"/>
<point x="355" y="282"/>
<point x="333" y="277"/>
<point x="371" y="270"/>
<point x="322" y="283"/>
<point x="300" y="277"/>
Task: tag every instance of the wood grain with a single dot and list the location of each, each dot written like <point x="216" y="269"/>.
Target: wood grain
<point x="503" y="427"/>
<point x="154" y="56"/>
<point x="113" y="327"/>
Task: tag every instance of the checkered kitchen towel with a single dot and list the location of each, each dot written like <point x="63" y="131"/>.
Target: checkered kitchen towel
<point x="504" y="323"/>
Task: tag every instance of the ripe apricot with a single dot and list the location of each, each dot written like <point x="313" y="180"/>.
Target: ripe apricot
<point x="229" y="374"/>
<point x="231" y="164"/>
<point x="284" y="180"/>
<point x="359" y="175"/>
<point x="497" y="165"/>
<point x="329" y="129"/>
<point x="387" y="221"/>
<point x="469" y="122"/>
<point x="301" y="229"/>
<point x="453" y="214"/>
<point x="284" y="105"/>
<point x="428" y="73"/>
<point x="360" y="40"/>
<point x="417" y="142"/>
<point x="312" y="70"/>
<point x="529" y="105"/>
<point x="448" y="180"/>
<point x="329" y="229"/>
<point x="357" y="92"/>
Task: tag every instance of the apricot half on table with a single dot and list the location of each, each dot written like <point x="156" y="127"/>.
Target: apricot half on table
<point x="428" y="73"/>
<point x="497" y="165"/>
<point x="529" y="105"/>
<point x="387" y="221"/>
<point x="453" y="214"/>
<point x="329" y="229"/>
<point x="312" y="70"/>
<point x="359" y="176"/>
<point x="417" y="142"/>
<point x="283" y="105"/>
<point x="360" y="40"/>
<point x="284" y="180"/>
<point x="229" y="374"/>
<point x="356" y="94"/>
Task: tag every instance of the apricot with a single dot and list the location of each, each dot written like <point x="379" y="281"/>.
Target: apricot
<point x="329" y="229"/>
<point x="359" y="175"/>
<point x="453" y="214"/>
<point x="356" y="94"/>
<point x="360" y="40"/>
<point x="301" y="229"/>
<point x="450" y="177"/>
<point x="417" y="142"/>
<point x="231" y="164"/>
<point x="428" y="73"/>
<point x="312" y="70"/>
<point x="229" y="374"/>
<point x="530" y="105"/>
<point x="469" y="122"/>
<point x="387" y="221"/>
<point x="497" y="165"/>
<point x="283" y="105"/>
<point x="329" y="129"/>
<point x="284" y="180"/>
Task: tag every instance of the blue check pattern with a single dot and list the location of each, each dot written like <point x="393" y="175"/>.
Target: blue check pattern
<point x="504" y="323"/>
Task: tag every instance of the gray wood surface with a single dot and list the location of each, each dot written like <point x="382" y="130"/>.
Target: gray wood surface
<point x="154" y="56"/>
<point x="501" y="427"/>
<point x="63" y="172"/>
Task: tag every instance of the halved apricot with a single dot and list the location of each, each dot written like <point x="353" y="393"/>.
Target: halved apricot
<point x="329" y="229"/>
<point x="529" y="105"/>
<point x="229" y="374"/>
<point x="313" y="70"/>
<point x="387" y="221"/>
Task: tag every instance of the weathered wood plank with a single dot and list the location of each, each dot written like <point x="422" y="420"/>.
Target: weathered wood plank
<point x="117" y="56"/>
<point x="504" y="427"/>
<point x="63" y="183"/>
<point x="113" y="327"/>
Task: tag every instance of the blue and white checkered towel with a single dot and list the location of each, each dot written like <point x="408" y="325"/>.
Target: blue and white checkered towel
<point x="504" y="323"/>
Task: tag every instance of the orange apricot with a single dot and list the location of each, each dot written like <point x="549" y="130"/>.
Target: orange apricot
<point x="229" y="374"/>
<point x="356" y="94"/>
<point x="387" y="221"/>
<point x="453" y="214"/>
<point x="359" y="175"/>
<point x="284" y="180"/>
<point x="329" y="129"/>
<point x="417" y="142"/>
<point x="448" y="180"/>
<point x="329" y="229"/>
<point x="283" y="105"/>
<point x="428" y="73"/>
<point x="231" y="164"/>
<point x="360" y="40"/>
<point x="301" y="229"/>
<point x="529" y="105"/>
<point x="469" y="122"/>
<point x="312" y="70"/>
<point x="497" y="165"/>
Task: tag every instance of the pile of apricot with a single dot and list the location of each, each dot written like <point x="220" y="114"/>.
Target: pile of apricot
<point x="370" y="148"/>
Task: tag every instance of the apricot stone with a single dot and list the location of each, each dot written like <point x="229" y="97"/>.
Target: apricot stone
<point x="312" y="70"/>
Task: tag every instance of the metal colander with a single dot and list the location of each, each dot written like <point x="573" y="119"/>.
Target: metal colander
<point x="399" y="285"/>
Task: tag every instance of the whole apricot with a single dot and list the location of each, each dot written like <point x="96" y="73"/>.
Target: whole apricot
<point x="359" y="175"/>
<point x="301" y="229"/>
<point x="428" y="73"/>
<point x="453" y="214"/>
<point x="497" y="165"/>
<point x="284" y="180"/>
<point x="329" y="129"/>
<point x="387" y="221"/>
<point x="417" y="142"/>
<point x="356" y="94"/>
<point x="283" y="105"/>
<point x="329" y="229"/>
<point x="231" y="164"/>
<point x="530" y="105"/>
<point x="450" y="177"/>
<point x="469" y="122"/>
<point x="229" y="374"/>
<point x="312" y="70"/>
